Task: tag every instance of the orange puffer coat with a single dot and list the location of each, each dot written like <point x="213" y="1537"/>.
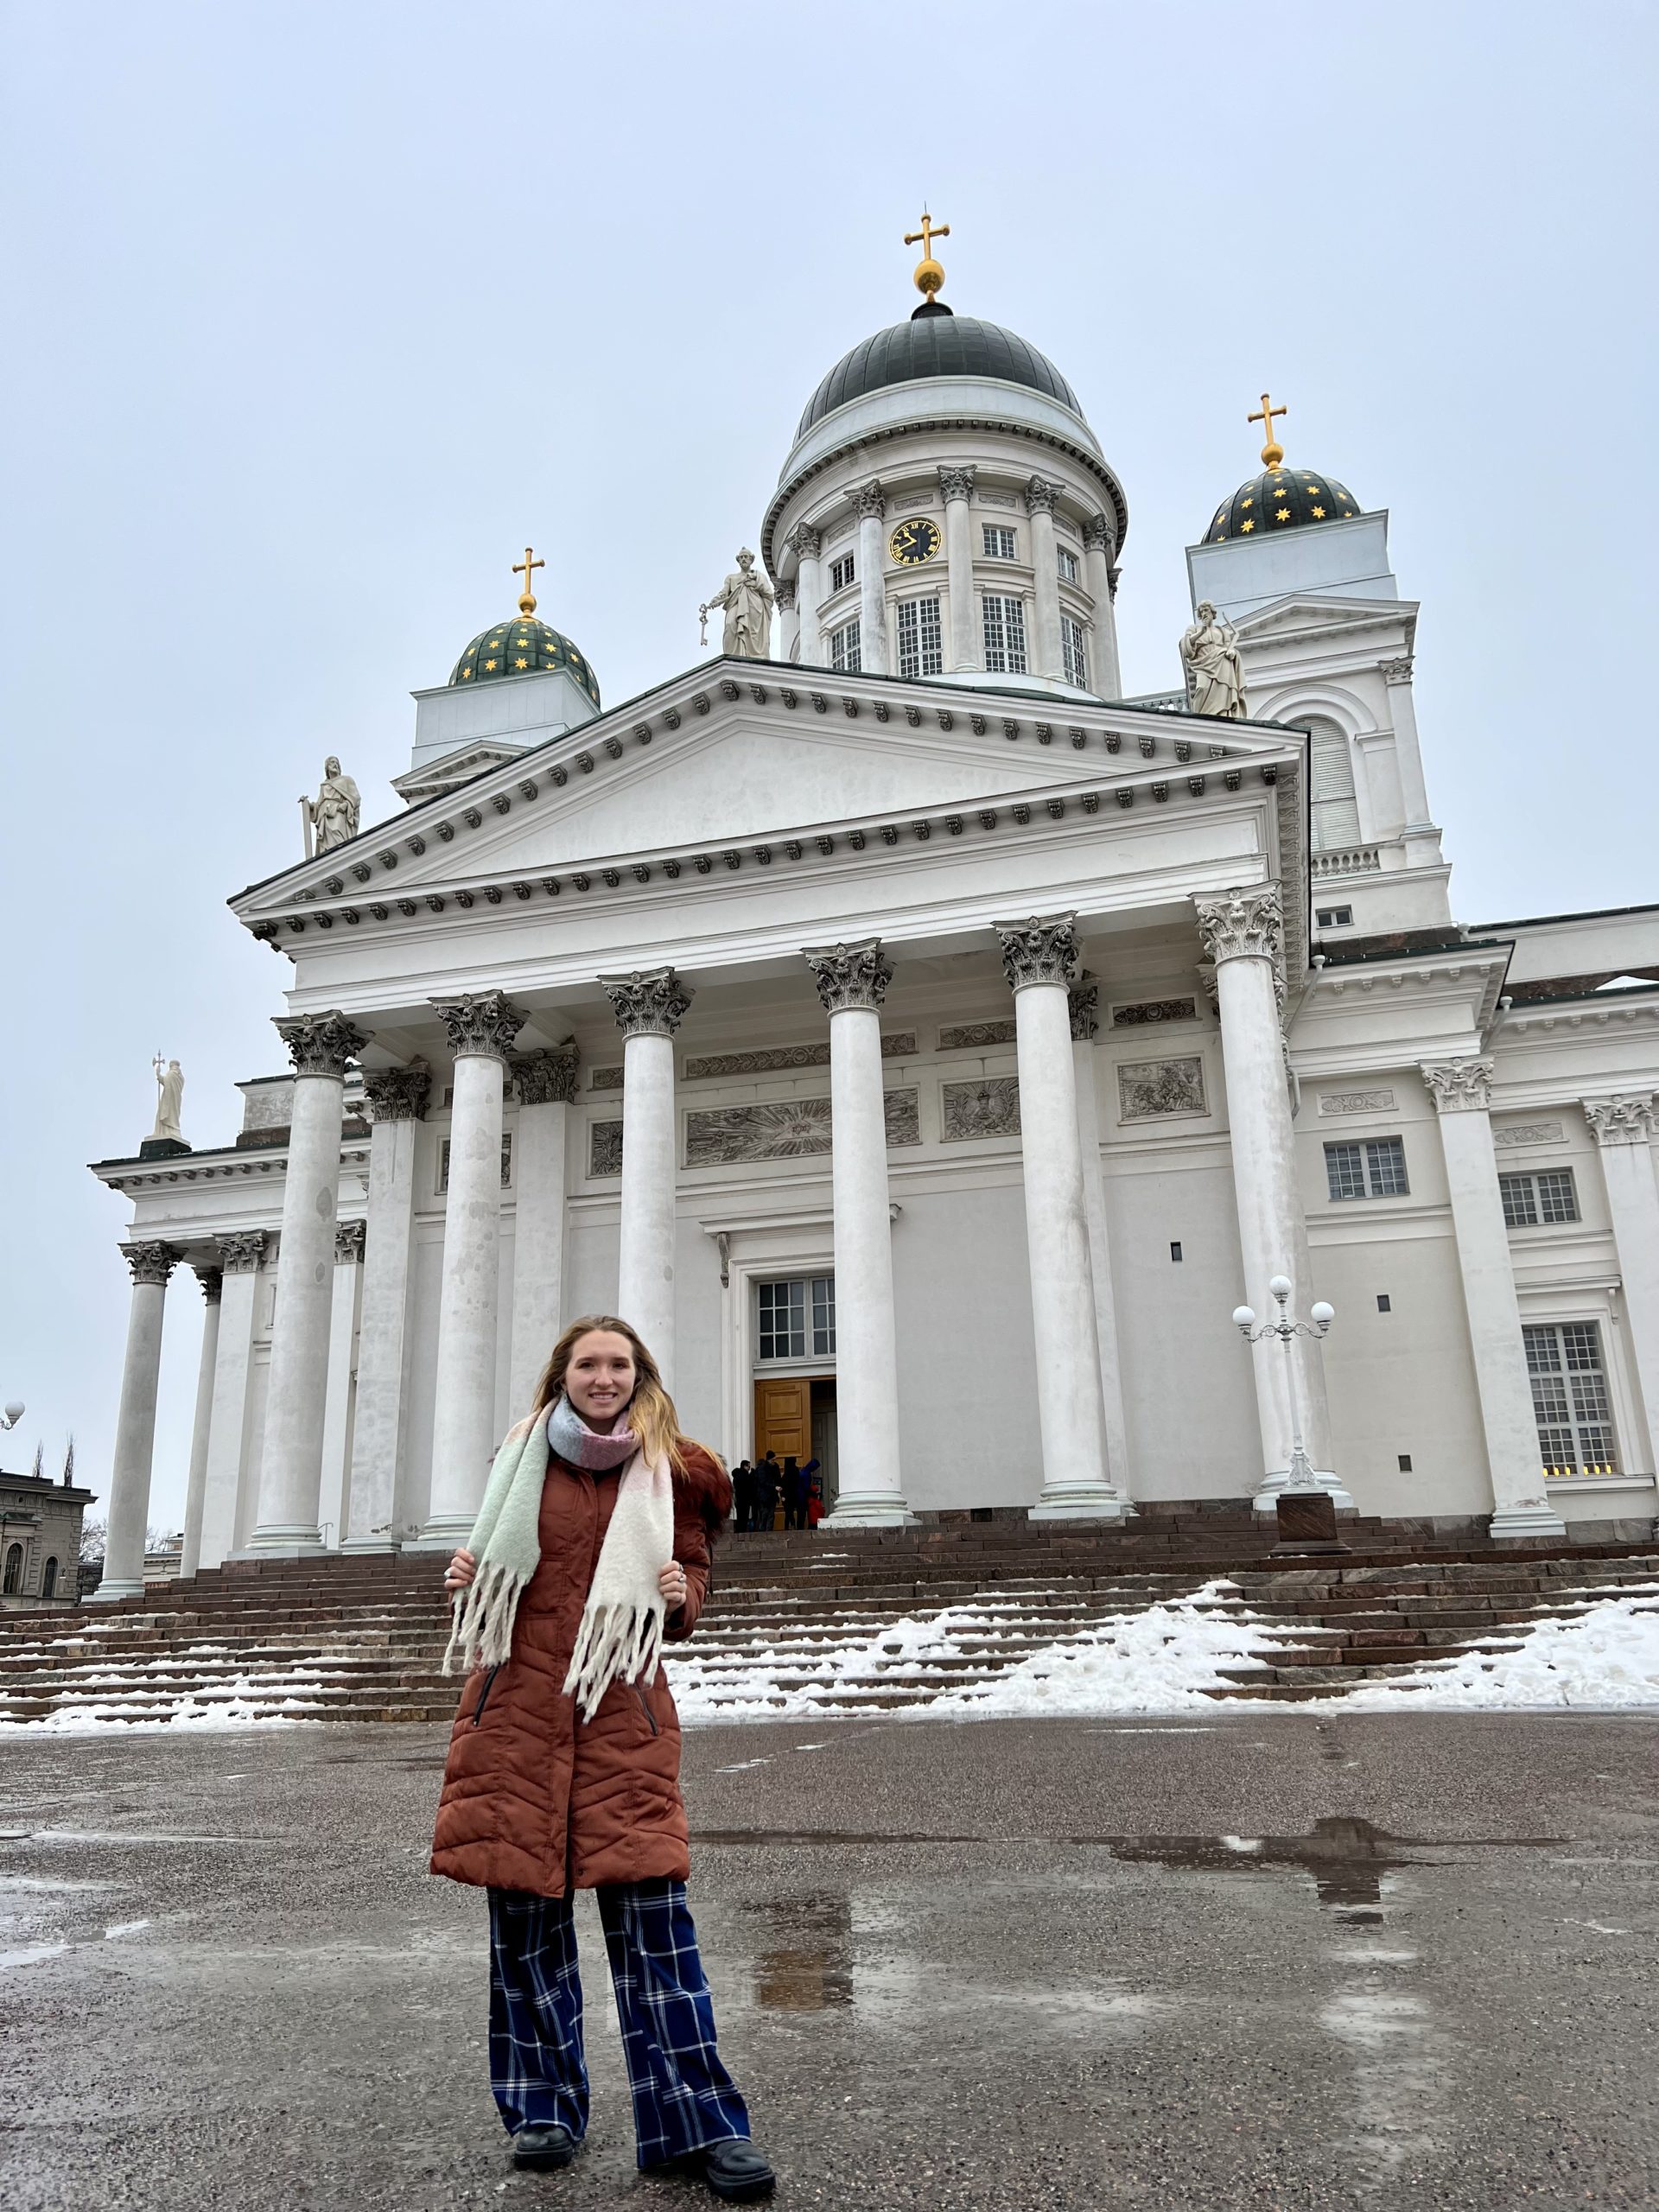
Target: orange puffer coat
<point x="534" y="1798"/>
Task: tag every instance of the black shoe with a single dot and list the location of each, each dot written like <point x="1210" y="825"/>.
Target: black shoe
<point x="734" y="2168"/>
<point x="544" y="2145"/>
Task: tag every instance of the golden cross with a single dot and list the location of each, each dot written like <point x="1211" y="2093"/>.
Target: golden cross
<point x="527" y="598"/>
<point x="1272" y="452"/>
<point x="928" y="274"/>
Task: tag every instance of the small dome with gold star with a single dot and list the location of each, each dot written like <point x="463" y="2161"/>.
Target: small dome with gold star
<point x="1281" y="498"/>
<point x="519" y="647"/>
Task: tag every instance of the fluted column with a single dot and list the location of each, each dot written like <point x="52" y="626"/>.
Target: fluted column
<point x="212" y="1280"/>
<point x="806" y="544"/>
<point x="650" y="1005"/>
<point x="967" y="645"/>
<point x="1623" y="1129"/>
<point x="481" y="1028"/>
<point x="1244" y="934"/>
<point x="1099" y="569"/>
<point x="1038" y="957"/>
<point x="135" y="1424"/>
<point x="870" y="505"/>
<point x="290" y="1468"/>
<point x="1083" y="1001"/>
<point x="788" y="620"/>
<point x="546" y="1084"/>
<point x="1422" y="839"/>
<point x="338" y="1405"/>
<point x="852" y="981"/>
<point x="1040" y="497"/>
<point x="396" y="1102"/>
<point x="227" y="1493"/>
<point x="1462" y="1091"/>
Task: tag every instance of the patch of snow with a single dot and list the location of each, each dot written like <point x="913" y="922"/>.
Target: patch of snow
<point x="123" y="1928"/>
<point x="1605" y="1657"/>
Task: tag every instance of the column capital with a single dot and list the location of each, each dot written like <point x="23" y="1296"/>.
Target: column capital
<point x="240" y="1252"/>
<point x="1041" y="496"/>
<point x="480" y="1024"/>
<point x="546" y="1078"/>
<point x="1082" y="1001"/>
<point x="869" y="500"/>
<point x="956" y="481"/>
<point x="1396" y="671"/>
<point x="650" y="1002"/>
<point x="783" y="590"/>
<point x="1243" y="925"/>
<point x="1042" y="949"/>
<point x="152" y="1262"/>
<point x="319" y="1043"/>
<point x="212" y="1280"/>
<point x="849" y="975"/>
<point x="397" y="1094"/>
<point x="349" y="1240"/>
<point x="1632" y="1119"/>
<point x="804" y="541"/>
<point x="1100" y="533"/>
<point x="1460" y="1086"/>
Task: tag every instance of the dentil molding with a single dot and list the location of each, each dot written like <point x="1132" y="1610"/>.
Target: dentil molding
<point x="1041" y="950"/>
<point x="850" y="975"/>
<point x="1243" y="925"/>
<point x="482" y="1024"/>
<point x="650" y="1002"/>
<point x="319" y="1043"/>
<point x="1630" y="1120"/>
<point x="1460" y="1086"/>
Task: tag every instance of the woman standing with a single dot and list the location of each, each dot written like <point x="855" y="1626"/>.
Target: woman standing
<point x="592" y="1545"/>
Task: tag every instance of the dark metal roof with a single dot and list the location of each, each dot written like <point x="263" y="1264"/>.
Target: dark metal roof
<point x="1281" y="499"/>
<point x="934" y="342"/>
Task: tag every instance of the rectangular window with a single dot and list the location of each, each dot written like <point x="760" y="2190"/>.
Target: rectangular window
<point x="843" y="572"/>
<point x="1569" y="1398"/>
<point x="1073" y="652"/>
<point x="845" y="649"/>
<point x="921" y="645"/>
<point x="1335" y="918"/>
<point x="998" y="541"/>
<point x="1530" y="1201"/>
<point x="1068" y="564"/>
<point x="1373" y="1168"/>
<point x="798" y="1319"/>
<point x="1004" y="635"/>
<point x="506" y="1162"/>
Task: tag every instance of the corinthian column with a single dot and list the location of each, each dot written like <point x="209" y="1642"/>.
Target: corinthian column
<point x="1040" y="497"/>
<point x="480" y="1029"/>
<point x="806" y="544"/>
<point x="1099" y="554"/>
<point x="291" y="1471"/>
<point x="1083" y="1002"/>
<point x="546" y="1084"/>
<point x="789" y="631"/>
<point x="966" y="644"/>
<point x="852" y="981"/>
<point x="135" y="1425"/>
<point x="227" y="1501"/>
<point x="1623" y="1129"/>
<point x="1244" y="934"/>
<point x="870" y="505"/>
<point x="395" y="1101"/>
<point x="212" y="1280"/>
<point x="1462" y="1091"/>
<point x="650" y="1005"/>
<point x="1037" y="958"/>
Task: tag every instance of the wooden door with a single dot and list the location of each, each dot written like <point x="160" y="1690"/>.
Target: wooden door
<point x="783" y="1417"/>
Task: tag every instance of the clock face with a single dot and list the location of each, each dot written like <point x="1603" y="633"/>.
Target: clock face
<point x="912" y="542"/>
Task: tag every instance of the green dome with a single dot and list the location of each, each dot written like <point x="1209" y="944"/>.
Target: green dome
<point x="1281" y="498"/>
<point x="520" y="647"/>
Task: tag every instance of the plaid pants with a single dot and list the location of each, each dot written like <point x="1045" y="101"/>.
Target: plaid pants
<point x="682" y="2095"/>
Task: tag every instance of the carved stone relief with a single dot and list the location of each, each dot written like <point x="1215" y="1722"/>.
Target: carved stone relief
<point x="1356" y="1102"/>
<point x="605" y="1079"/>
<point x="784" y="1128"/>
<point x="1529" y="1133"/>
<point x="975" y="1036"/>
<point x="605" y="1148"/>
<point x="1145" y="1010"/>
<point x="1146" y="1088"/>
<point x="989" y="1108"/>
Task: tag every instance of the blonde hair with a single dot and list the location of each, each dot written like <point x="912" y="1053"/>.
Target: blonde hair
<point x="649" y="1413"/>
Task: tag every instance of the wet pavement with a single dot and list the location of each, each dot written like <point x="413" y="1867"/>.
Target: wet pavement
<point x="1266" y="1962"/>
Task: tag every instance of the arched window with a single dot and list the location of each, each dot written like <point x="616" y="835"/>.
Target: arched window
<point x="14" y="1569"/>
<point x="49" y="1579"/>
<point x="1334" y="808"/>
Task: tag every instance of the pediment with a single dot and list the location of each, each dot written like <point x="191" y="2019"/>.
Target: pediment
<point x="1304" y="614"/>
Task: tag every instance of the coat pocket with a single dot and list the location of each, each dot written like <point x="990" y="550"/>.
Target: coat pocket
<point x="483" y="1695"/>
<point x="644" y="1707"/>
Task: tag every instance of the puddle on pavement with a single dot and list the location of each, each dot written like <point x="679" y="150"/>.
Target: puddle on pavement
<point x="811" y="1970"/>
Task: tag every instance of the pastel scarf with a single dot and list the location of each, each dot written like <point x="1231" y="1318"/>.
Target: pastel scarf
<point x="620" y="1634"/>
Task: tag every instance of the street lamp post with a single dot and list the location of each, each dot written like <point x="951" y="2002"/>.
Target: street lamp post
<point x="1306" y="1511"/>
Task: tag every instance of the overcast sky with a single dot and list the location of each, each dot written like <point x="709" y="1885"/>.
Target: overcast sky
<point x="318" y="313"/>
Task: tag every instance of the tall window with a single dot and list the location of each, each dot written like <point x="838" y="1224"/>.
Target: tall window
<point x="14" y="1581"/>
<point x="49" y="1579"/>
<point x="845" y="650"/>
<point x="921" y="649"/>
<point x="1333" y="807"/>
<point x="1067" y="563"/>
<point x="843" y="572"/>
<point x="998" y="541"/>
<point x="1569" y="1397"/>
<point x="798" y="1319"/>
<point x="1373" y="1168"/>
<point x="1004" y="635"/>
<point x="1530" y="1201"/>
<point x="1074" y="652"/>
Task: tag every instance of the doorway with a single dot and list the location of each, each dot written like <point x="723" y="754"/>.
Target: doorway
<point x="795" y="1417"/>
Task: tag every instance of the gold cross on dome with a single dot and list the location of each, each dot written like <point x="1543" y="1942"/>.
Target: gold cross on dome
<point x="928" y="274"/>
<point x="1272" y="452"/>
<point x="527" y="597"/>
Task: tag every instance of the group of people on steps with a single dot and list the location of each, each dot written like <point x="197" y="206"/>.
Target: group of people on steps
<point x="759" y="1488"/>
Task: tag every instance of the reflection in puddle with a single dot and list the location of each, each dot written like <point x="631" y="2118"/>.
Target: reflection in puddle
<point x="813" y="1971"/>
<point x="1349" y="1860"/>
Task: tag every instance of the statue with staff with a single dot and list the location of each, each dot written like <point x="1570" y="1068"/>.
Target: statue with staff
<point x="169" y="1099"/>
<point x="332" y="817"/>
<point x="748" y="600"/>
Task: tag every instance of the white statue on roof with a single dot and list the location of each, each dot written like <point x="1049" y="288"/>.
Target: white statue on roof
<point x="332" y="817"/>
<point x="1215" y="675"/>
<point x="748" y="600"/>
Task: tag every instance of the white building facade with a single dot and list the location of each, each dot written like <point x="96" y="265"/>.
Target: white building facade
<point x="927" y="1049"/>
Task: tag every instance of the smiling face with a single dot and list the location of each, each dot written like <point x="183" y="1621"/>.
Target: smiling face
<point x="599" y="1381"/>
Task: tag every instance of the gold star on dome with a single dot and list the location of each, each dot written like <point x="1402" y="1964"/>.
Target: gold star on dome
<point x="1318" y="514"/>
<point x="1282" y="515"/>
<point x="521" y="662"/>
<point x="1247" y="503"/>
<point x="465" y="673"/>
<point x="1247" y="525"/>
<point x="489" y="668"/>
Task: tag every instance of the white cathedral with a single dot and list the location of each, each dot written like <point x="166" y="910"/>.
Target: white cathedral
<point x="929" y="1048"/>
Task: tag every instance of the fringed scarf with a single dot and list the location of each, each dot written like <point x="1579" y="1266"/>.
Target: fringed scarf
<point x="621" y="1635"/>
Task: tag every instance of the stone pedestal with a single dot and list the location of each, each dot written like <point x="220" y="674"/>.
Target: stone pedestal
<point x="135" y="1426"/>
<point x="1307" y="1523"/>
